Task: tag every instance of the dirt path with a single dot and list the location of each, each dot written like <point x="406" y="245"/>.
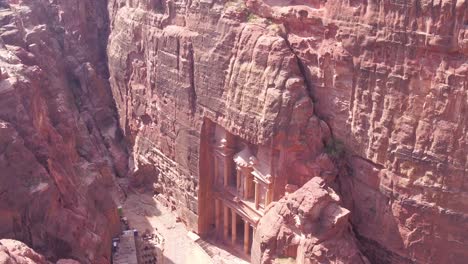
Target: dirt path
<point x="145" y="213"/>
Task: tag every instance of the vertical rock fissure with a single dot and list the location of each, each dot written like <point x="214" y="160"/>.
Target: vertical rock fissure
<point x="307" y="82"/>
<point x="302" y="69"/>
<point x="192" y="93"/>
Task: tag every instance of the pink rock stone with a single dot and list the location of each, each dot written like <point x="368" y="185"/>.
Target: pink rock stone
<point x="308" y="226"/>
<point x="388" y="79"/>
<point x="16" y="252"/>
<point x="58" y="132"/>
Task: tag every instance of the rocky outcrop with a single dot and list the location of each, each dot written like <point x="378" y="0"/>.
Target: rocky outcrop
<point x="58" y="133"/>
<point x="15" y="252"/>
<point x="307" y="226"/>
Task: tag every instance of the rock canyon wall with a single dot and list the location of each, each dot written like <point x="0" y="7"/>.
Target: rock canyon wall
<point x="390" y="78"/>
<point x="310" y="226"/>
<point x="380" y="87"/>
<point x="357" y="108"/>
<point x="59" y="135"/>
<point x="172" y="76"/>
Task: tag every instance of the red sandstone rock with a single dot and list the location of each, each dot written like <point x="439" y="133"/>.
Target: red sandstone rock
<point x="15" y="252"/>
<point x="308" y="226"/>
<point x="388" y="80"/>
<point x="170" y="79"/>
<point x="67" y="261"/>
<point x="58" y="134"/>
<point x="385" y="78"/>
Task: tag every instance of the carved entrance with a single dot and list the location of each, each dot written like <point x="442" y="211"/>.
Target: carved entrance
<point x="235" y="187"/>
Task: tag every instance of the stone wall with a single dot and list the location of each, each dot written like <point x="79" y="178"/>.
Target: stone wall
<point x="60" y="145"/>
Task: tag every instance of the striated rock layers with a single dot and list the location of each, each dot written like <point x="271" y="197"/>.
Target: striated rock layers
<point x="390" y="78"/>
<point x="359" y="106"/>
<point x="58" y="132"/>
<point x="386" y="78"/>
<point x="178" y="68"/>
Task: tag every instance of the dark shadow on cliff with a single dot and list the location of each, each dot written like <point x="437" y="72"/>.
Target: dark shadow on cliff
<point x="370" y="210"/>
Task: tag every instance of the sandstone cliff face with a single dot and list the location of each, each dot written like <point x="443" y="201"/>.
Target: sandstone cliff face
<point x="58" y="131"/>
<point x="177" y="66"/>
<point x="390" y="78"/>
<point x="386" y="78"/>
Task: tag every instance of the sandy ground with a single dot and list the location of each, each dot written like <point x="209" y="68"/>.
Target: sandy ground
<point x="145" y="213"/>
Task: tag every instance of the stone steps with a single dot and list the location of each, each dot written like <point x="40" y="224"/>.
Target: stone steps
<point x="206" y="247"/>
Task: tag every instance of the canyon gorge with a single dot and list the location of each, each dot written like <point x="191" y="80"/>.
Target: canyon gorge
<point x="292" y="131"/>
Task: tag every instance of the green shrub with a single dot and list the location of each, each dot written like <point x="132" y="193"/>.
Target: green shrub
<point x="251" y="17"/>
<point x="335" y="148"/>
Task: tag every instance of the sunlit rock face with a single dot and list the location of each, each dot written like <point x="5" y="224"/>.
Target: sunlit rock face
<point x="387" y="78"/>
<point x="390" y="79"/>
<point x="177" y="67"/>
<point x="16" y="252"/>
<point x="357" y="110"/>
<point x="58" y="132"/>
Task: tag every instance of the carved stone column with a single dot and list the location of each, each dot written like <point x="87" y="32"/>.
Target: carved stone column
<point x="239" y="182"/>
<point x="234" y="227"/>
<point x="218" y="216"/>
<point x="246" y="237"/>
<point x="257" y="194"/>
<point x="226" y="152"/>
<point x="268" y="195"/>
<point x="246" y="185"/>
<point x="226" y="223"/>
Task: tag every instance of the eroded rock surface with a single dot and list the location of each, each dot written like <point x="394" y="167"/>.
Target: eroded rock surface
<point x="15" y="252"/>
<point x="308" y="226"/>
<point x="58" y="133"/>
<point x="369" y="97"/>
<point x="193" y="64"/>
<point x="388" y="81"/>
<point x="390" y="78"/>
